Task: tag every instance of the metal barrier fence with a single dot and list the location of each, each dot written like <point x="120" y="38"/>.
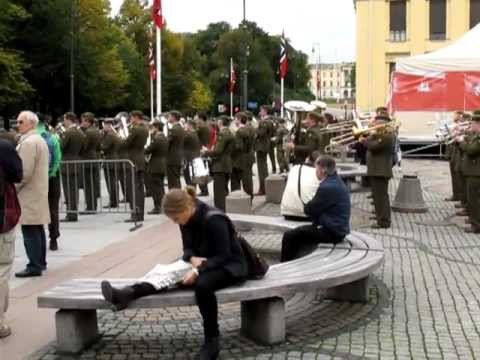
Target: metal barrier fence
<point x="101" y="182"/>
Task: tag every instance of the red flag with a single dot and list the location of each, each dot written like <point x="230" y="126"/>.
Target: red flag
<point x="151" y="62"/>
<point x="157" y="14"/>
<point x="233" y="77"/>
<point x="283" y="57"/>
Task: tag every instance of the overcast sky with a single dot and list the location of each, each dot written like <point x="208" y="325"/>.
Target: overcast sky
<point x="306" y="22"/>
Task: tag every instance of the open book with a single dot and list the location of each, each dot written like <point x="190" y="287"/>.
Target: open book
<point x="163" y="276"/>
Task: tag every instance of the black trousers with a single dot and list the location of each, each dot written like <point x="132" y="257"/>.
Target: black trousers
<point x="304" y="239"/>
<point x="240" y="176"/>
<point x="173" y="177"/>
<point x="138" y="208"/>
<point x="271" y="155"/>
<point x="262" y="170"/>
<point x="111" y="179"/>
<point x="220" y="190"/>
<point x="53" y="204"/>
<point x="158" y="189"/>
<point x="91" y="187"/>
<point x="70" y="184"/>
<point x="381" y="200"/>
<point x="207" y="283"/>
<point x="35" y="243"/>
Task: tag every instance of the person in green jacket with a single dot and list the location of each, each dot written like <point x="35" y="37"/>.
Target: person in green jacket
<point x="176" y="138"/>
<point x="241" y="163"/>
<point x="262" y="147"/>
<point x="157" y="165"/>
<point x="279" y="140"/>
<point x="110" y="146"/>
<point x="379" y="169"/>
<point x="470" y="146"/>
<point x="191" y="150"/>
<point x="311" y="140"/>
<point x="221" y="162"/>
<point x="203" y="132"/>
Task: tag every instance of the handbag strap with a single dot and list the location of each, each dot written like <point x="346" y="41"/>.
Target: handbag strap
<point x="299" y="187"/>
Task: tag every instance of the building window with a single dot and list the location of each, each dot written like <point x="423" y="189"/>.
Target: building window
<point x="438" y="19"/>
<point x="398" y="20"/>
<point x="324" y="83"/>
<point x="474" y="12"/>
<point x="331" y="83"/>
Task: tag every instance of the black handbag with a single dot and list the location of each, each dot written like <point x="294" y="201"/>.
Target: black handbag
<point x="257" y="267"/>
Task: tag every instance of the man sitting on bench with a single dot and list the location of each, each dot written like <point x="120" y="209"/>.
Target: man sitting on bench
<point x="329" y="210"/>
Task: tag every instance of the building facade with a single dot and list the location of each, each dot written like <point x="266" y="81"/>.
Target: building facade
<point x="389" y="29"/>
<point x="332" y="81"/>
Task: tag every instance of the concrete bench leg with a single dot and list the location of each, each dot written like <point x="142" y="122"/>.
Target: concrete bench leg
<point x="76" y="329"/>
<point x="264" y="320"/>
<point x="356" y="291"/>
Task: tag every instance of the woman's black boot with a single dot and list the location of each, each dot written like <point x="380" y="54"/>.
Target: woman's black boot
<point x="210" y="349"/>
<point x="120" y="298"/>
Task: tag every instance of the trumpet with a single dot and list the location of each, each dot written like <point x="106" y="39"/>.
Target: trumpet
<point x="122" y="127"/>
<point x="450" y="134"/>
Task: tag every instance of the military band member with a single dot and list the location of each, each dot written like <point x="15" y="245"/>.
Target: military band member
<point x="241" y="154"/>
<point x="262" y="147"/>
<point x="470" y="145"/>
<point x="135" y="146"/>
<point x="110" y="146"/>
<point x="72" y="142"/>
<point x="311" y="140"/>
<point x="221" y="162"/>
<point x="379" y="169"/>
<point x="280" y="138"/>
<point x="459" y="175"/>
<point x="452" y="156"/>
<point x="191" y="150"/>
<point x="157" y="168"/>
<point x="203" y="135"/>
<point x="91" y="171"/>
<point x="176" y="138"/>
<point x="266" y="113"/>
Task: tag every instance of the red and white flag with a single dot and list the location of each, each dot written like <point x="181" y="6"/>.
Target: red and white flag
<point x="283" y="57"/>
<point x="151" y="62"/>
<point x="157" y="14"/>
<point x="233" y="77"/>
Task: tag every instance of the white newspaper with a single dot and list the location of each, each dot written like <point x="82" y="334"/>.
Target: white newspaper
<point x="163" y="276"/>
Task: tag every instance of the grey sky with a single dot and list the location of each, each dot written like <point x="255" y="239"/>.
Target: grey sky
<point x="328" y="23"/>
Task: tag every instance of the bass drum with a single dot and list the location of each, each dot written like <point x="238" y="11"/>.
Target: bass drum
<point x="199" y="171"/>
<point x="302" y="184"/>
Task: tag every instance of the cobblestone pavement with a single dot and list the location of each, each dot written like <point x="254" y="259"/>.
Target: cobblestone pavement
<point x="424" y="302"/>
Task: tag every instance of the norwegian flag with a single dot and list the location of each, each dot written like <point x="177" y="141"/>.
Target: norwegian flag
<point x="283" y="57"/>
<point x="233" y="77"/>
<point x="157" y="14"/>
<point x="151" y="62"/>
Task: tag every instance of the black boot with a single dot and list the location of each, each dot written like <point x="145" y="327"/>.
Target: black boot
<point x="53" y="245"/>
<point x="209" y="350"/>
<point x="120" y="298"/>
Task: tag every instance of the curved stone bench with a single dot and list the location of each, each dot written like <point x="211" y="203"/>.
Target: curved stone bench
<point x="343" y="269"/>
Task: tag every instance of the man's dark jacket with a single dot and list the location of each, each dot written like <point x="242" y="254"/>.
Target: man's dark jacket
<point x="330" y="207"/>
<point x="11" y="171"/>
<point x="210" y="237"/>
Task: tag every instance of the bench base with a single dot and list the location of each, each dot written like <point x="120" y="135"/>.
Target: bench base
<point x="264" y="320"/>
<point x="356" y="291"/>
<point x="76" y="329"/>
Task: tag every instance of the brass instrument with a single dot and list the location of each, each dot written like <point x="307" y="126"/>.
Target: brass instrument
<point x="448" y="134"/>
<point x="60" y="129"/>
<point x="122" y="127"/>
<point x="297" y="111"/>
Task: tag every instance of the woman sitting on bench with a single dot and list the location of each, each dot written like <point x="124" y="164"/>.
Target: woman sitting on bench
<point x="215" y="254"/>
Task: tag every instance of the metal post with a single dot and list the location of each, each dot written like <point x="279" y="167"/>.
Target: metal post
<point x="244" y="11"/>
<point x="72" y="56"/>
<point x="245" y="80"/>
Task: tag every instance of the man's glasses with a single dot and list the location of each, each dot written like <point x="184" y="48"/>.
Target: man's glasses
<point x="20" y="122"/>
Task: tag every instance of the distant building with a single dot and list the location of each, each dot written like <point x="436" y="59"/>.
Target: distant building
<point x="389" y="29"/>
<point x="334" y="81"/>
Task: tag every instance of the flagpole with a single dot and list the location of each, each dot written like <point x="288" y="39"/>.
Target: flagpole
<point x="159" y="71"/>
<point x="152" y="109"/>
<point x="231" y="90"/>
<point x="282" y="95"/>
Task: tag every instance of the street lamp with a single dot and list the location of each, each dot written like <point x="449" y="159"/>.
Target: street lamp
<point x="72" y="56"/>
<point x="245" y="70"/>
<point x="318" y="86"/>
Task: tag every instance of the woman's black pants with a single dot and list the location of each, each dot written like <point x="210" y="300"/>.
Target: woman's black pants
<point x="207" y="283"/>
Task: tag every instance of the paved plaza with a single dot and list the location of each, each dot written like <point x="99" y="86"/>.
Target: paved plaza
<point x="424" y="300"/>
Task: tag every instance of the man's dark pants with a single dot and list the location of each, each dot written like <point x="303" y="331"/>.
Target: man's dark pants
<point x="70" y="190"/>
<point x="173" y="176"/>
<point x="304" y="239"/>
<point x="111" y="179"/>
<point x="158" y="189"/>
<point x="53" y="204"/>
<point x="381" y="200"/>
<point x="262" y="170"/>
<point x="240" y="179"/>
<point x="220" y="189"/>
<point x="271" y="155"/>
<point x="35" y="246"/>
<point x="91" y="188"/>
<point x="138" y="208"/>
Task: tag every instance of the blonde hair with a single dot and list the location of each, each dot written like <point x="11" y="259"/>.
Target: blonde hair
<point x="177" y="201"/>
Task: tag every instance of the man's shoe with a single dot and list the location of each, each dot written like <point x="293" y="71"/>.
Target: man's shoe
<point x="370" y="196"/>
<point x="209" y="350"/>
<point x="120" y="298"/>
<point x="154" y="212"/>
<point x="373" y="218"/>
<point x="380" y="226"/>
<point x="110" y="206"/>
<point x="28" y="273"/>
<point x="462" y="213"/>
<point x="5" y="331"/>
<point x="472" y="230"/>
<point x="88" y="212"/>
<point x="451" y="198"/>
<point x="53" y="245"/>
<point x="468" y="221"/>
<point x="68" y="220"/>
<point x="133" y="220"/>
<point x="459" y="206"/>
<point x="203" y="194"/>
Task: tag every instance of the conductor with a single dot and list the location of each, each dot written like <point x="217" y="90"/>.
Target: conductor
<point x="329" y="210"/>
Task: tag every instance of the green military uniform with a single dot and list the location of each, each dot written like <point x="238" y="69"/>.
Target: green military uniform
<point x="262" y="147"/>
<point x="471" y="170"/>
<point x="135" y="146"/>
<point x="204" y="136"/>
<point x="241" y="161"/>
<point x="110" y="146"/>
<point x="281" y="135"/>
<point x="72" y="142"/>
<point x="122" y="167"/>
<point x="311" y="141"/>
<point x="191" y="150"/>
<point x="272" y="129"/>
<point x="176" y="138"/>
<point x="457" y="155"/>
<point x="91" y="172"/>
<point x="157" y="168"/>
<point x="221" y="169"/>
<point x="379" y="171"/>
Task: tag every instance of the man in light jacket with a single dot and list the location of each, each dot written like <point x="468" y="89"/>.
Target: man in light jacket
<point x="33" y="193"/>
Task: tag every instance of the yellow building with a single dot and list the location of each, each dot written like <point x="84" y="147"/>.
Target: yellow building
<point x="388" y="29"/>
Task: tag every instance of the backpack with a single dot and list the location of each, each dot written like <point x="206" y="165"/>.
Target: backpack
<point x="51" y="150"/>
<point x="257" y="267"/>
<point x="10" y="210"/>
